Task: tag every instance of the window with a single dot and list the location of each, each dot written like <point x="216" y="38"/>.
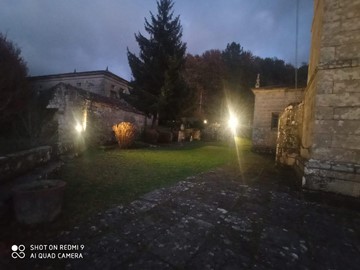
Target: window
<point x="78" y="84"/>
<point x="274" y="120"/>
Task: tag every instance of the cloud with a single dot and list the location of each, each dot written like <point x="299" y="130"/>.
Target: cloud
<point x="59" y="36"/>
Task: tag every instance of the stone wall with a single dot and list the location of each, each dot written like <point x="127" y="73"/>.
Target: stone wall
<point x="269" y="101"/>
<point x="289" y="135"/>
<point x="93" y="114"/>
<point x="330" y="149"/>
<point x="18" y="163"/>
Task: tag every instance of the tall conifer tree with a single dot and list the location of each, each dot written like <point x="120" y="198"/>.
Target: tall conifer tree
<point x="158" y="87"/>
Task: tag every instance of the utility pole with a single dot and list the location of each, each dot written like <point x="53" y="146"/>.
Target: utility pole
<point x="296" y="43"/>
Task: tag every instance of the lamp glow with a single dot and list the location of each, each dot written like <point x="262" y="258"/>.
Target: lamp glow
<point x="233" y="123"/>
<point x="205" y="121"/>
<point x="78" y="128"/>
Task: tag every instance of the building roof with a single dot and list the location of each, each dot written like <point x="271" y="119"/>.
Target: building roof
<point x="277" y="88"/>
<point x="77" y="74"/>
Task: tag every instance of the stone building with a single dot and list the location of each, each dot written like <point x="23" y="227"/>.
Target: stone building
<point x="102" y="82"/>
<point x="85" y="106"/>
<point x="328" y="158"/>
<point x="330" y="147"/>
<point x="269" y="104"/>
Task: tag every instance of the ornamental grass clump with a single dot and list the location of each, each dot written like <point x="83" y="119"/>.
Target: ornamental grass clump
<point x="125" y="133"/>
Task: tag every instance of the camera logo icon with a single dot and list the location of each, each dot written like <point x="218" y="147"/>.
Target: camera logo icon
<point x="18" y="251"/>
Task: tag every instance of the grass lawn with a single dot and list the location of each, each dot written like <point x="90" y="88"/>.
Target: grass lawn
<point x="99" y="179"/>
<point x="105" y="178"/>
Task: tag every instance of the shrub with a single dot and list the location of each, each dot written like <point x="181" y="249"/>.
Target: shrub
<point x="125" y="133"/>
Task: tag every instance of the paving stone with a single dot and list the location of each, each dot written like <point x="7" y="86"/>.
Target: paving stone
<point x="219" y="257"/>
<point x="180" y="187"/>
<point x="280" y="247"/>
<point x="143" y="205"/>
<point x="107" y="252"/>
<point x="147" y="262"/>
<point x="190" y="228"/>
<point x="223" y="249"/>
<point x="254" y="210"/>
<point x="214" y="221"/>
<point x="217" y="197"/>
<point x="208" y="213"/>
<point x="165" y="214"/>
<point x="335" y="256"/>
<point x="157" y="196"/>
<point x="184" y="204"/>
<point x="175" y="248"/>
<point x="240" y="223"/>
<point x="141" y="231"/>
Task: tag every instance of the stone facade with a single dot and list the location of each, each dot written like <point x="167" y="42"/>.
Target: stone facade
<point x="330" y="148"/>
<point x="328" y="157"/>
<point x="101" y="82"/>
<point x="269" y="104"/>
<point x="87" y="105"/>
<point x="82" y="116"/>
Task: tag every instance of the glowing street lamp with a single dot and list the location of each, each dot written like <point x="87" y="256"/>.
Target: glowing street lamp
<point x="205" y="121"/>
<point x="81" y="127"/>
<point x="78" y="128"/>
<point x="233" y="123"/>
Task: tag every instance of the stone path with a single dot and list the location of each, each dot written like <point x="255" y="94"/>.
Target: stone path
<point x="215" y="221"/>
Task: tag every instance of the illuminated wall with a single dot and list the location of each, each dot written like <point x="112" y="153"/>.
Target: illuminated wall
<point x="87" y="118"/>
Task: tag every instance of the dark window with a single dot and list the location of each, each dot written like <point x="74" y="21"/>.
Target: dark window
<point x="274" y="120"/>
<point x="78" y="84"/>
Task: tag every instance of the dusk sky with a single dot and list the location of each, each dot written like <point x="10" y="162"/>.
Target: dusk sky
<point x="60" y="36"/>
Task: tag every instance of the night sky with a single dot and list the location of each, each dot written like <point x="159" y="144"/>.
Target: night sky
<point x="60" y="36"/>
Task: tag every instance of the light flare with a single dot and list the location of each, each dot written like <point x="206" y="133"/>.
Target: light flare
<point x="233" y="123"/>
<point x="79" y="127"/>
<point x="84" y="119"/>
